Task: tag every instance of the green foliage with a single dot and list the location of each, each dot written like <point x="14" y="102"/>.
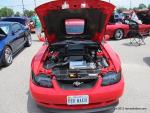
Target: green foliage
<point x="6" y="12"/>
<point x="149" y="6"/>
<point x="135" y="8"/>
<point x="142" y="6"/>
<point x="121" y="9"/>
<point x="17" y="14"/>
<point x="28" y="13"/>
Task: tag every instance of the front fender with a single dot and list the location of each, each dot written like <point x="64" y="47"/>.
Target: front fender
<point x="111" y="29"/>
<point x="114" y="57"/>
<point x="38" y="59"/>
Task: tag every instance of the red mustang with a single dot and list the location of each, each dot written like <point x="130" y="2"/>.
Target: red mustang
<point x="76" y="71"/>
<point x="120" y="30"/>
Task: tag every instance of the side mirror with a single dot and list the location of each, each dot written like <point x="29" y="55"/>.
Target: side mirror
<point x="2" y="33"/>
<point x="106" y="37"/>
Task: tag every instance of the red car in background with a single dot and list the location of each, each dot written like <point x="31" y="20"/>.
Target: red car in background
<point x="76" y="71"/>
<point x="120" y="30"/>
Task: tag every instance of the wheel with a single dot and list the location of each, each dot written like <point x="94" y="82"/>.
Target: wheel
<point x="7" y="56"/>
<point x="29" y="41"/>
<point x="119" y="34"/>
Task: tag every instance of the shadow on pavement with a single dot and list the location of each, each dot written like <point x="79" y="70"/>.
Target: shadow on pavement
<point x="32" y="106"/>
<point x="1" y="68"/>
<point x="35" y="40"/>
<point x="131" y="45"/>
<point x="147" y="60"/>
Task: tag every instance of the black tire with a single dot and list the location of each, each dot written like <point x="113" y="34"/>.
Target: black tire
<point x="7" y="56"/>
<point x="110" y="111"/>
<point x="29" y="41"/>
<point x="119" y="34"/>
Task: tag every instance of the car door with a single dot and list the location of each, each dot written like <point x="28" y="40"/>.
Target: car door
<point x="144" y="29"/>
<point x="18" y="34"/>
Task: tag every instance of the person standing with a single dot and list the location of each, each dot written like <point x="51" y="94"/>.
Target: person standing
<point x="38" y="26"/>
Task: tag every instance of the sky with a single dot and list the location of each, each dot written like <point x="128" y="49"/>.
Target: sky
<point x="16" y="5"/>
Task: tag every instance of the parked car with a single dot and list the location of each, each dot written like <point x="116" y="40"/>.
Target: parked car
<point x="22" y="20"/>
<point x="119" y="31"/>
<point x="13" y="36"/>
<point x="76" y="70"/>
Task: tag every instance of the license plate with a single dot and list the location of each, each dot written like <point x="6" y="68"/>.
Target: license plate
<point x="78" y="100"/>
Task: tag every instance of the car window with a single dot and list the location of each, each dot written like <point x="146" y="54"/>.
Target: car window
<point x="16" y="28"/>
<point x="5" y="28"/>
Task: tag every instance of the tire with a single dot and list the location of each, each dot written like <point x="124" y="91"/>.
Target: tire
<point x="29" y="41"/>
<point x="110" y="111"/>
<point x="119" y="34"/>
<point x="7" y="56"/>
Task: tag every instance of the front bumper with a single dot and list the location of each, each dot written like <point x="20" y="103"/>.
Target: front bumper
<point x="56" y="98"/>
<point x="109" y="108"/>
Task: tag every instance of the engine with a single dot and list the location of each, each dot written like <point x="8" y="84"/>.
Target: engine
<point x="75" y="60"/>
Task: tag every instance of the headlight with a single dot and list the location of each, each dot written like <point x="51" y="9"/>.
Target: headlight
<point x="42" y="80"/>
<point x="111" y="78"/>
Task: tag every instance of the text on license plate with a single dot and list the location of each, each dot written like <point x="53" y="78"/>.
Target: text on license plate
<point x="78" y="100"/>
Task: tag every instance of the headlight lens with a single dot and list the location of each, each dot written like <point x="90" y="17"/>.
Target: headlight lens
<point x="42" y="80"/>
<point x="111" y="78"/>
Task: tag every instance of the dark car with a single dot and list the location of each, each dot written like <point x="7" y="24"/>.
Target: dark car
<point x="13" y="37"/>
<point x="22" y="20"/>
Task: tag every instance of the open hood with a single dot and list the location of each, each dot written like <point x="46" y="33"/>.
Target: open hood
<point x="67" y="19"/>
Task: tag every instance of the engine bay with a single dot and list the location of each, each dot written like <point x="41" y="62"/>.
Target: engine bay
<point x="72" y="60"/>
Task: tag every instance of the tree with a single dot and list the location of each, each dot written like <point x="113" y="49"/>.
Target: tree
<point x="17" y="14"/>
<point x="142" y="6"/>
<point x="5" y="12"/>
<point x="135" y="8"/>
<point x="28" y="13"/>
<point x="121" y="9"/>
<point x="149" y="6"/>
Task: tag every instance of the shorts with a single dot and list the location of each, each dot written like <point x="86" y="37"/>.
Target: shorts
<point x="38" y="31"/>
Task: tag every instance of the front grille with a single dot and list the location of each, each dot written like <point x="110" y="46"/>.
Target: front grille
<point x="82" y="74"/>
<point x="68" y="85"/>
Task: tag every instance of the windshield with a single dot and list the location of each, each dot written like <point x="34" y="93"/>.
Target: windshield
<point x="5" y="29"/>
<point x="21" y="21"/>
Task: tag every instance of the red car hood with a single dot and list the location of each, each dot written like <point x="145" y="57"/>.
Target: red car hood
<point x="95" y="12"/>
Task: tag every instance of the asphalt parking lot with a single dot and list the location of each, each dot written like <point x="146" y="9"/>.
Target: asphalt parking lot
<point x="14" y="80"/>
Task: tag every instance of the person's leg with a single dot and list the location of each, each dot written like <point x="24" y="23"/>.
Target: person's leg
<point x="38" y="32"/>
